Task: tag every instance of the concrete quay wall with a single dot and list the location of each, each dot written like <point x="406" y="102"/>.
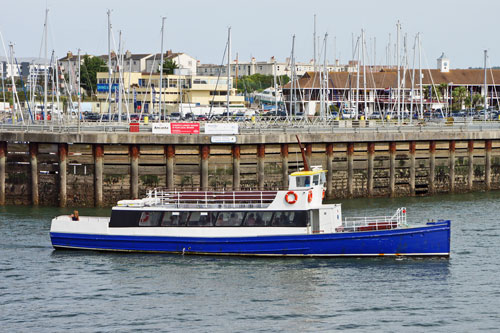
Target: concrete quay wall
<point x="97" y="169"/>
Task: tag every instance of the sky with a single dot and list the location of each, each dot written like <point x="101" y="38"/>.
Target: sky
<point x="261" y="29"/>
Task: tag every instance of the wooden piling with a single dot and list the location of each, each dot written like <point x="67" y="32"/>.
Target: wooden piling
<point x="470" y="151"/>
<point x="284" y="164"/>
<point x="487" y="164"/>
<point x="63" y="171"/>
<point x="205" y="155"/>
<point x="329" y="168"/>
<point x="432" y="166"/>
<point x="350" y="169"/>
<point x="3" y="157"/>
<point x="451" y="165"/>
<point x="392" y="168"/>
<point x="235" y="151"/>
<point x="412" y="149"/>
<point x="98" y="174"/>
<point x="261" y="156"/>
<point x="169" y="151"/>
<point x="134" y="153"/>
<point x="33" y="151"/>
<point x="371" y="158"/>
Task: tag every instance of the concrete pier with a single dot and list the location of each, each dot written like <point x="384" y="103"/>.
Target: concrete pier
<point x="205" y="155"/>
<point x="412" y="151"/>
<point x="134" y="154"/>
<point x="451" y="165"/>
<point x="261" y="157"/>
<point x="487" y="164"/>
<point x="33" y="151"/>
<point x="470" y="153"/>
<point x="432" y="166"/>
<point x="98" y="174"/>
<point x="236" y="152"/>
<point x="329" y="168"/>
<point x="392" y="168"/>
<point x="350" y="169"/>
<point x="284" y="164"/>
<point x="3" y="157"/>
<point x="63" y="173"/>
<point x="170" y="159"/>
<point x="100" y="169"/>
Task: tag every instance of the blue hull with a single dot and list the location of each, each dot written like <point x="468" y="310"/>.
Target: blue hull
<point x="430" y="240"/>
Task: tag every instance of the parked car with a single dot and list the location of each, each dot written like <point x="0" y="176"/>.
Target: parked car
<point x="175" y="116"/>
<point x="201" y="117"/>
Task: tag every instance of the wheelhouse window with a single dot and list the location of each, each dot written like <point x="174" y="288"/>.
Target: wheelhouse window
<point x="303" y="181"/>
<point x="150" y="219"/>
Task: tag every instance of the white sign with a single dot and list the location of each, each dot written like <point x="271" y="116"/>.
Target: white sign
<point x="225" y="128"/>
<point x="223" y="139"/>
<point x="161" y="128"/>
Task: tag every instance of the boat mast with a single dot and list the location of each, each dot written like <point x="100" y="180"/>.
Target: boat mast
<point x="109" y="64"/>
<point x="161" y="66"/>
<point x="314" y="46"/>
<point x="275" y="87"/>
<point x="119" y="76"/>
<point x="398" y="26"/>
<point x="78" y="92"/>
<point x="57" y="88"/>
<point x="363" y="43"/>
<point x="420" y="75"/>
<point x="485" y="86"/>
<point x="413" y="79"/>
<point x="357" y="78"/>
<point x="45" y="84"/>
<point x="228" y="66"/>
<point x="325" y="78"/>
<point x="306" y="165"/>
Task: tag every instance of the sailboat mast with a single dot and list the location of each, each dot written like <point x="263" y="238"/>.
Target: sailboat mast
<point x="275" y="87"/>
<point x="420" y="75"/>
<point x="314" y="45"/>
<point x="485" y="85"/>
<point x="109" y="64"/>
<point x="228" y="66"/>
<point x="45" y="84"/>
<point x="161" y="66"/>
<point x="399" y="72"/>
<point x="363" y="43"/>
<point x="78" y="92"/>
<point x="119" y="75"/>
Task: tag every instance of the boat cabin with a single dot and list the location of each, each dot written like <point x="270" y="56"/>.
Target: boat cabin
<point x="304" y="180"/>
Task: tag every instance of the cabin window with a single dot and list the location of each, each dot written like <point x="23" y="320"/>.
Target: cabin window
<point x="150" y="219"/>
<point x="316" y="180"/>
<point x="263" y="219"/>
<point x="303" y="181"/>
<point x="201" y="219"/>
<point x="229" y="219"/>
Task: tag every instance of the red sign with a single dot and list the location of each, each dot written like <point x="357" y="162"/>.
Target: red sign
<point x="185" y="128"/>
<point x="134" y="127"/>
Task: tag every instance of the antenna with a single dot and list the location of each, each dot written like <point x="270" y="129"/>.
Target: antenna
<point x="306" y="165"/>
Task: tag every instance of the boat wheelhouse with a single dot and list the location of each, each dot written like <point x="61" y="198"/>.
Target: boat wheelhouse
<point x="293" y="222"/>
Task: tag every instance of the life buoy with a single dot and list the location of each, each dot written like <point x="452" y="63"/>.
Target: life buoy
<point x="288" y="199"/>
<point x="309" y="196"/>
<point x="323" y="194"/>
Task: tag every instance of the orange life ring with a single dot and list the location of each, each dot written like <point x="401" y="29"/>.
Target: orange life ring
<point x="323" y="194"/>
<point x="309" y="196"/>
<point x="287" y="197"/>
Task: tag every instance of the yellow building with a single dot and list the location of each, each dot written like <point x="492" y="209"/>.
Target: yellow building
<point x="141" y="91"/>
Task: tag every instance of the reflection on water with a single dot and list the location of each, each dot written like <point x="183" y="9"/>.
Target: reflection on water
<point x="46" y="290"/>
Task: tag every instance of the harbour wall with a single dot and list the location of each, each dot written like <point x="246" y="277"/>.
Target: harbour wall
<point x="97" y="169"/>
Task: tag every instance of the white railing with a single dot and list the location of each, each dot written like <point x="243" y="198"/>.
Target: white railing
<point x="210" y="199"/>
<point x="397" y="220"/>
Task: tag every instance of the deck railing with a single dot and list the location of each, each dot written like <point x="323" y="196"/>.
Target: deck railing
<point x="375" y="222"/>
<point x="210" y="199"/>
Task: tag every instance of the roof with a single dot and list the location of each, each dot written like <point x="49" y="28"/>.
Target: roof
<point x="307" y="173"/>
<point x="388" y="78"/>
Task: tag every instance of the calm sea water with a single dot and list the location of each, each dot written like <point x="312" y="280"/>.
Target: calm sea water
<point x="47" y="291"/>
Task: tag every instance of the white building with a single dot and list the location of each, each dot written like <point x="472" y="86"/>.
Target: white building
<point x="241" y="68"/>
<point x="187" y="64"/>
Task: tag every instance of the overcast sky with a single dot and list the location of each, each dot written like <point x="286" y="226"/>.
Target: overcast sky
<point x="462" y="29"/>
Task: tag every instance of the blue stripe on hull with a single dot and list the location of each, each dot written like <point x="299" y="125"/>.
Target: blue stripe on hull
<point x="433" y="239"/>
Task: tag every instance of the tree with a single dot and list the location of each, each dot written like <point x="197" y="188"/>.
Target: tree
<point x="169" y="66"/>
<point x="259" y="82"/>
<point x="89" y="69"/>
<point x="459" y="94"/>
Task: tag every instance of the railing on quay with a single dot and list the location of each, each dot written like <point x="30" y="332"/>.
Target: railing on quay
<point x="274" y="125"/>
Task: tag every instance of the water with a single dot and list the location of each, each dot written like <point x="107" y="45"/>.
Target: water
<point x="47" y="291"/>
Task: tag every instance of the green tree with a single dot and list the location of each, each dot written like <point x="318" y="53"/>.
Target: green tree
<point x="459" y="94"/>
<point x="259" y="82"/>
<point x="89" y="69"/>
<point x="169" y="66"/>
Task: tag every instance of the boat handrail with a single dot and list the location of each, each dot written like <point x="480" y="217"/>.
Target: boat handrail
<point x="210" y="199"/>
<point x="366" y="223"/>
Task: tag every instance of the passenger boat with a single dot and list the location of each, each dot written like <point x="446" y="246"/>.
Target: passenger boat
<point x="293" y="222"/>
